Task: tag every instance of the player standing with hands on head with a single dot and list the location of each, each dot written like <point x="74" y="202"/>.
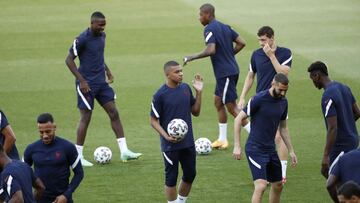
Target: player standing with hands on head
<point x="219" y="40"/>
<point x="91" y="84"/>
<point x="268" y="112"/>
<point x="266" y="62"/>
<point x="173" y="100"/>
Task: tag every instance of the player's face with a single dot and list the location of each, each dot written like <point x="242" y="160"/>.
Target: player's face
<point x="98" y="25"/>
<point x="353" y="199"/>
<point x="175" y="74"/>
<point x="266" y="40"/>
<point x="47" y="132"/>
<point x="280" y="90"/>
<point x="315" y="77"/>
<point x="204" y="18"/>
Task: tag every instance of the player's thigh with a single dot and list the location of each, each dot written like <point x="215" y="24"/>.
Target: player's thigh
<point x="171" y="162"/>
<point x="274" y="168"/>
<point x="257" y="162"/>
<point x="187" y="159"/>
<point x="85" y="100"/>
<point x="226" y="88"/>
<point x="105" y="94"/>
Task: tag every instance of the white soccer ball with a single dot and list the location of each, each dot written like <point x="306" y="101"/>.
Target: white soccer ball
<point x="102" y="155"/>
<point x="203" y="146"/>
<point x="177" y="128"/>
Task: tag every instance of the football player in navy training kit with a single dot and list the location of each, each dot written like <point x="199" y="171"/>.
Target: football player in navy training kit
<point x="340" y="112"/>
<point x="173" y="100"/>
<point x="52" y="157"/>
<point x="265" y="63"/>
<point x="91" y="84"/>
<point x="7" y="137"/>
<point x="268" y="111"/>
<point x="219" y="40"/>
<point x="17" y="180"/>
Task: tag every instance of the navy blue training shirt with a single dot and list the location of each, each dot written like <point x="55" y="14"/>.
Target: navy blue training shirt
<point x="261" y="65"/>
<point x="13" y="154"/>
<point x="170" y="103"/>
<point x="337" y="100"/>
<point x="52" y="163"/>
<point x="90" y="49"/>
<point x="348" y="167"/>
<point x="223" y="61"/>
<point x="265" y="112"/>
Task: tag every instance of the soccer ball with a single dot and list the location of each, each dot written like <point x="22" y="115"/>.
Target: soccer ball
<point x="203" y="146"/>
<point x="177" y="128"/>
<point x="102" y="155"/>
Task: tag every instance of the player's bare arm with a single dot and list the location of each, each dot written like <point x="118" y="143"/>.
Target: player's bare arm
<point x="330" y="140"/>
<point x="10" y="138"/>
<point x="239" y="44"/>
<point x="249" y="81"/>
<point x="331" y="184"/>
<point x="39" y="188"/>
<point x="356" y="111"/>
<point x="109" y="75"/>
<point x="84" y="86"/>
<point x="237" y="135"/>
<point x="17" y="197"/>
<point x="208" y="51"/>
<point x="60" y="199"/>
<point x="284" y="133"/>
<point x="270" y="52"/>
<point x="156" y="125"/>
<point x="198" y="86"/>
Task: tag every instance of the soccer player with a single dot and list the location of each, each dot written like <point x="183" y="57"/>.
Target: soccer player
<point x="219" y="40"/>
<point x="349" y="193"/>
<point x="17" y="179"/>
<point x="7" y="137"/>
<point x="268" y="111"/>
<point x="340" y="112"/>
<point x="266" y="62"/>
<point x="347" y="168"/>
<point x="91" y="84"/>
<point x="52" y="157"/>
<point x="173" y="100"/>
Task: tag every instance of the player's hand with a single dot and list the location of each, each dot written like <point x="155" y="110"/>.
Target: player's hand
<point x="187" y="59"/>
<point x="268" y="50"/>
<point x="198" y="82"/>
<point x="237" y="153"/>
<point x="171" y="139"/>
<point x="241" y="103"/>
<point x="60" y="199"/>
<point x="325" y="166"/>
<point x="84" y="87"/>
<point x="110" y="77"/>
<point x="293" y="159"/>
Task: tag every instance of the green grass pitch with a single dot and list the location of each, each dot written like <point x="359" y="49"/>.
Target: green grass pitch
<point x="141" y="36"/>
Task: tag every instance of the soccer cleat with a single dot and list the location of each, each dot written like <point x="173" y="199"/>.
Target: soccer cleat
<point x="129" y="155"/>
<point x="85" y="162"/>
<point x="220" y="144"/>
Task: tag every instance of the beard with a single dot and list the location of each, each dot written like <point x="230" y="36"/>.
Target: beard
<point x="277" y="95"/>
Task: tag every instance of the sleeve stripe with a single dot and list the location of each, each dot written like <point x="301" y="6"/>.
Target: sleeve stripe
<point x="208" y="36"/>
<point x="75" y="162"/>
<point x="9" y="181"/>
<point x="154" y="110"/>
<point x="250" y="68"/>
<point x="1" y="191"/>
<point x="248" y="108"/>
<point x="74" y="48"/>
<point x="335" y="161"/>
<point x="0" y="117"/>
<point x="83" y="98"/>
<point x="287" y="61"/>
<point x="328" y="107"/>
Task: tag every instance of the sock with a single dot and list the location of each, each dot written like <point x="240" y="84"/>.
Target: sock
<point x="181" y="199"/>
<point x="247" y="127"/>
<point x="79" y="149"/>
<point x="174" y="201"/>
<point x="283" y="168"/>
<point x="222" y="131"/>
<point x="122" y="144"/>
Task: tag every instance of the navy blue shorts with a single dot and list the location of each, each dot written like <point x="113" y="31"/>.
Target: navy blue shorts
<point x="187" y="159"/>
<point x="226" y="88"/>
<point x="103" y="93"/>
<point x="266" y="166"/>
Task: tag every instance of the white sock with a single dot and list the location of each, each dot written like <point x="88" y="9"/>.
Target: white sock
<point x="283" y="168"/>
<point x="247" y="127"/>
<point x="181" y="199"/>
<point x="174" y="201"/>
<point x="80" y="149"/>
<point x="222" y="131"/>
<point x="122" y="144"/>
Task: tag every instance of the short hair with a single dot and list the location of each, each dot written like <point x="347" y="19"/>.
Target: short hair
<point x="281" y="78"/>
<point x="169" y="64"/>
<point x="45" y="117"/>
<point x="97" y="14"/>
<point x="208" y="8"/>
<point x="349" y="189"/>
<point x="318" y="66"/>
<point x="266" y="30"/>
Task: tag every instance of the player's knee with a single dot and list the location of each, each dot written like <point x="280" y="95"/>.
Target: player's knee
<point x="113" y="114"/>
<point x="260" y="187"/>
<point x="85" y="117"/>
<point x="278" y="186"/>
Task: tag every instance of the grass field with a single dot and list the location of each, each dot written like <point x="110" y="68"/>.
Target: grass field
<point x="141" y="36"/>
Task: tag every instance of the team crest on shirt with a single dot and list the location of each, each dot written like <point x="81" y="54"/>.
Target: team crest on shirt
<point x="57" y="155"/>
<point x="186" y="92"/>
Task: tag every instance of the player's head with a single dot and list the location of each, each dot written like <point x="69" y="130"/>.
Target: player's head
<point x="173" y="72"/>
<point x="98" y="23"/>
<point x="349" y="192"/>
<point x="266" y="36"/>
<point x="207" y="13"/>
<point x="46" y="127"/>
<point x="318" y="71"/>
<point x="280" y="85"/>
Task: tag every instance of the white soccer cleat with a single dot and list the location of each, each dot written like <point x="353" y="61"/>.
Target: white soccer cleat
<point x="86" y="163"/>
<point x="129" y="155"/>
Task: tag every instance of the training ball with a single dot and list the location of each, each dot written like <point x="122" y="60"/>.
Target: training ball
<point x="203" y="146"/>
<point x="177" y="128"/>
<point x="102" y="155"/>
